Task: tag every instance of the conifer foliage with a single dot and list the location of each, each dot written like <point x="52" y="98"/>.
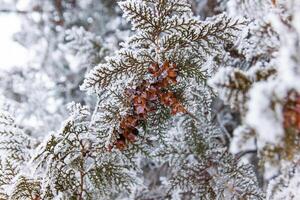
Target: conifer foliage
<point x="149" y="128"/>
<point x="267" y="93"/>
<point x="168" y="49"/>
<point x="148" y="78"/>
<point x="15" y="149"/>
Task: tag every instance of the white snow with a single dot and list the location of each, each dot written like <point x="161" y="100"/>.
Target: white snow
<point x="11" y="53"/>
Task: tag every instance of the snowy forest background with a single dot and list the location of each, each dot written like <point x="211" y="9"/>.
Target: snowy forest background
<point x="151" y="100"/>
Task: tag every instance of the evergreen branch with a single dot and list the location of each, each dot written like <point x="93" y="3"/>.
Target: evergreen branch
<point x="140" y="14"/>
<point x="103" y="75"/>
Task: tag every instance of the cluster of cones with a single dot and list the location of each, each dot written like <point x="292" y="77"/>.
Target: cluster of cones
<point x="292" y="112"/>
<point x="145" y="98"/>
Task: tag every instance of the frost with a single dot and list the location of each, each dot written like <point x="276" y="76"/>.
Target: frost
<point x="263" y="116"/>
<point x="146" y="99"/>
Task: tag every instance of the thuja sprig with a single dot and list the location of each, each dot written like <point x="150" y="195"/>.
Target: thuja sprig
<point x="145" y="98"/>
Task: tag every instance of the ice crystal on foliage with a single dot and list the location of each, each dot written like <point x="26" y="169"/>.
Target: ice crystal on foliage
<point x="171" y="34"/>
<point x="202" y="168"/>
<point x="15" y="149"/>
<point x="167" y="31"/>
<point x="285" y="186"/>
<point x="73" y="164"/>
<point x="149" y="131"/>
<point x="270" y="47"/>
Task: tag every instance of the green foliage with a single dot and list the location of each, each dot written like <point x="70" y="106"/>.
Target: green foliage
<point x="73" y="164"/>
<point x="26" y="189"/>
<point x="78" y="162"/>
<point x="13" y="141"/>
<point x="15" y="152"/>
<point x="166" y="30"/>
<point x="203" y="169"/>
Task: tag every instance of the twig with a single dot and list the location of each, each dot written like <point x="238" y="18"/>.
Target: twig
<point x="243" y="153"/>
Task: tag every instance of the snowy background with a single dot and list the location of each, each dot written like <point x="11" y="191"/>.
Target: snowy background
<point x="12" y="53"/>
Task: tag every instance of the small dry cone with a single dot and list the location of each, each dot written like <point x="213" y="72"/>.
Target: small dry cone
<point x="145" y="98"/>
<point x="167" y="99"/>
<point x="177" y="108"/>
<point x="37" y="198"/>
<point x="128" y="121"/>
<point x="130" y="134"/>
<point x="120" y="143"/>
<point x="153" y="69"/>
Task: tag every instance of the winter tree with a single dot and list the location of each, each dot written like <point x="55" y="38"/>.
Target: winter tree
<point x="261" y="85"/>
<point x="152" y="99"/>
